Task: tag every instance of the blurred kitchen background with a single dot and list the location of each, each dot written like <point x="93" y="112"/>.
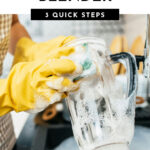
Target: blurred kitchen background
<point x="130" y="26"/>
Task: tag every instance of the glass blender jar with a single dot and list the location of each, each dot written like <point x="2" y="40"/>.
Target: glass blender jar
<point x="102" y="116"/>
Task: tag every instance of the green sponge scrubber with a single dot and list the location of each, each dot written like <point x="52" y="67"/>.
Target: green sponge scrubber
<point x="89" y="68"/>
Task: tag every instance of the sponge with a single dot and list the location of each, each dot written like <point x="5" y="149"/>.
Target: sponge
<point x="89" y="68"/>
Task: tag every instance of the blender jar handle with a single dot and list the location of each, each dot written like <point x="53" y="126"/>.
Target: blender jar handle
<point x="128" y="60"/>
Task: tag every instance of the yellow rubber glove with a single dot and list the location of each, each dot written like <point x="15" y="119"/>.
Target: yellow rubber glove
<point x="27" y="50"/>
<point x="34" y="85"/>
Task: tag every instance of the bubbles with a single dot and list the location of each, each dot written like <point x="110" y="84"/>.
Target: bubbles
<point x="99" y="107"/>
<point x="101" y="113"/>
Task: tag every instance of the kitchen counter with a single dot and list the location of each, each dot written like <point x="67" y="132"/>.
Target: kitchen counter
<point x="28" y="139"/>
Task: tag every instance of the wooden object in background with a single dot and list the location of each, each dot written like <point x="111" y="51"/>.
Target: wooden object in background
<point x="125" y="48"/>
<point x="137" y="48"/>
<point x="116" y="47"/>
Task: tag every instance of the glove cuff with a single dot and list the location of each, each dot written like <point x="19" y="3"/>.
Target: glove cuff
<point x="21" y="49"/>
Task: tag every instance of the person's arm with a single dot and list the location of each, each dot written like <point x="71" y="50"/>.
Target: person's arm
<point x="17" y="32"/>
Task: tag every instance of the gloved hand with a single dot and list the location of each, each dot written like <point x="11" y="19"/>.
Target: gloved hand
<point x="27" y="50"/>
<point x="34" y="85"/>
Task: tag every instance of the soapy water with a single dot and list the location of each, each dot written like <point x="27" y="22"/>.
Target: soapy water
<point x="100" y="112"/>
<point x="98" y="120"/>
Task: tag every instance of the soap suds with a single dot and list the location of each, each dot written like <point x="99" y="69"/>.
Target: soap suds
<point x="99" y="109"/>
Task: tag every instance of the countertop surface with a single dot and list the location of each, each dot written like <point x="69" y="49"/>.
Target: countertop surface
<point x="141" y="140"/>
